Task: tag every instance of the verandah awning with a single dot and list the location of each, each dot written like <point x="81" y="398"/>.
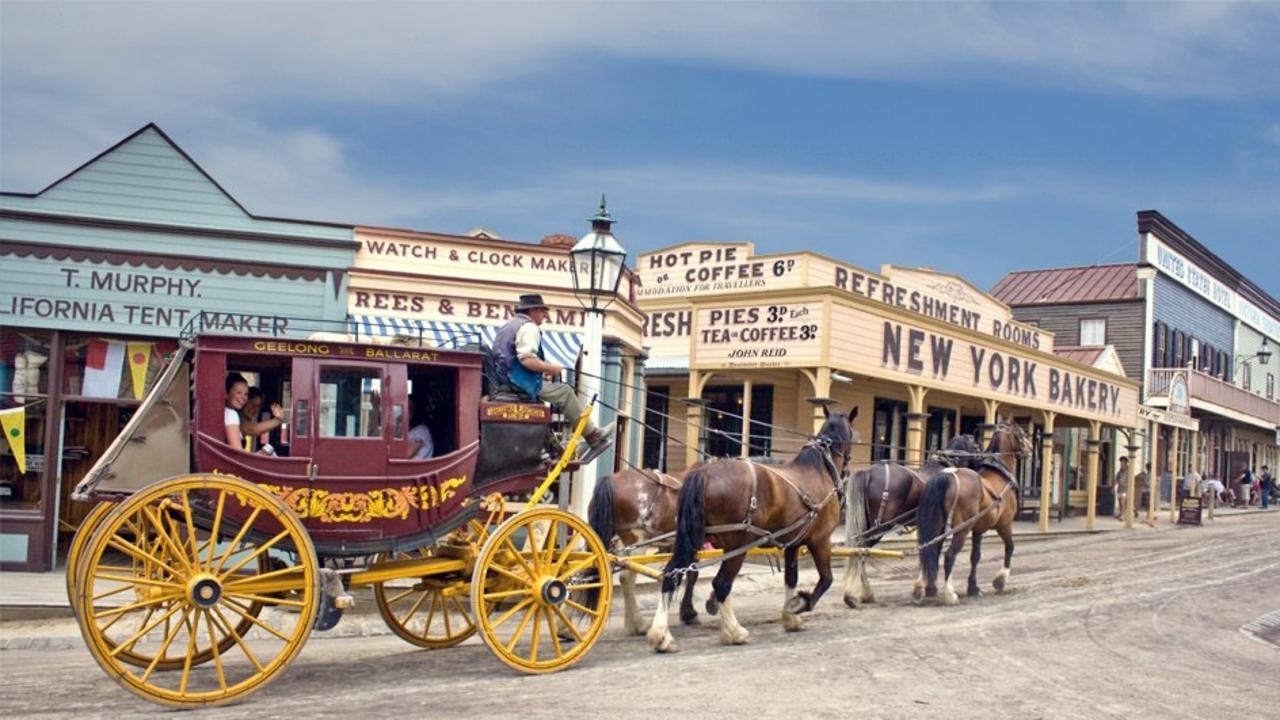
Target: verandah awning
<point x="560" y="347"/>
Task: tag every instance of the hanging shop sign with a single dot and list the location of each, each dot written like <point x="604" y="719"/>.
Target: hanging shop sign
<point x="1171" y="419"/>
<point x="1179" y="395"/>
<point x="758" y="336"/>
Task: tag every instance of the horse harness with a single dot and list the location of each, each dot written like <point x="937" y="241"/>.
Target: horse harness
<point x="662" y="480"/>
<point x="766" y="537"/>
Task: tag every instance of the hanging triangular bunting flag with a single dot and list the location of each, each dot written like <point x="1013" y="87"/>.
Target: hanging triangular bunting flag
<point x="14" y="420"/>
<point x="139" y="356"/>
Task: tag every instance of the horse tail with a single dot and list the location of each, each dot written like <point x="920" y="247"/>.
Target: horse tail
<point x="930" y="521"/>
<point x="855" y="521"/>
<point x="691" y="526"/>
<point x="600" y="518"/>
<point x="600" y="511"/>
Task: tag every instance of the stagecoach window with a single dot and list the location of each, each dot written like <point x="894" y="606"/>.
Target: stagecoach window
<point x="300" y="418"/>
<point x="350" y="402"/>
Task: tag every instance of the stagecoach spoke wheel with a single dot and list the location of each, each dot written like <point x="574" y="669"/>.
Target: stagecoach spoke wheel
<point x="174" y="657"/>
<point x="153" y="586"/>
<point x="541" y="589"/>
<point x="79" y="540"/>
<point x="430" y="612"/>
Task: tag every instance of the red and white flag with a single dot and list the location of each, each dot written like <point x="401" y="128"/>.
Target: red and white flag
<point x="103" y="363"/>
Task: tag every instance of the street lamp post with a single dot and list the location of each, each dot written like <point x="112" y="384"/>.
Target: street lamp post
<point x="1263" y="356"/>
<point x="596" y="262"/>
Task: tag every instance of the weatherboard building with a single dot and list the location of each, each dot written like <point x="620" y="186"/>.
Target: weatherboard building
<point x="923" y="355"/>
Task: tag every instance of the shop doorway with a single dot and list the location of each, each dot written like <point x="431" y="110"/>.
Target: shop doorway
<point x="656" y="416"/>
<point x="889" y="430"/>
<point x="88" y="429"/>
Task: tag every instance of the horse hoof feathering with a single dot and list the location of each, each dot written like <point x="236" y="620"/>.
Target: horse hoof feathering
<point x="662" y="642"/>
<point x="949" y="596"/>
<point x="734" y="636"/>
<point x="791" y="622"/>
<point x="998" y="582"/>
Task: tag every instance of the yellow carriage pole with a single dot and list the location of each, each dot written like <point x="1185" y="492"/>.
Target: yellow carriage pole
<point x="570" y="449"/>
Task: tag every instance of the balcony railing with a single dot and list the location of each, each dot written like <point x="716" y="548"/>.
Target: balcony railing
<point x="1208" y="388"/>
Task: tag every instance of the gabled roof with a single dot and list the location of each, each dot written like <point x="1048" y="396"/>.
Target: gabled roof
<point x="1056" y="286"/>
<point x="1102" y="357"/>
<point x="147" y="178"/>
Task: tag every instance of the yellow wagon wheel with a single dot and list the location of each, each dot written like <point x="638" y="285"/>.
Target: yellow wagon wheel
<point x="79" y="540"/>
<point x="194" y="593"/>
<point x="541" y="589"/>
<point x="431" y="612"/>
<point x="175" y="657"/>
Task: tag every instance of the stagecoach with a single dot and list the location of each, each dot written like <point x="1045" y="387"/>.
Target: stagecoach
<point x="204" y="568"/>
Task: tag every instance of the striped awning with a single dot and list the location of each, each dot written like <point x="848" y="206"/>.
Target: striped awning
<point x="560" y="347"/>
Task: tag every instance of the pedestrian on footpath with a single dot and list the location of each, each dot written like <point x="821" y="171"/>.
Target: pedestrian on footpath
<point x="1268" y="483"/>
<point x="1122" y="487"/>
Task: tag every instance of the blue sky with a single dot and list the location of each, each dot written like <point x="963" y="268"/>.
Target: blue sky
<point x="971" y="137"/>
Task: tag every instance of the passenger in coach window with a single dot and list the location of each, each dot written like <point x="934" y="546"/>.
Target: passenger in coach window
<point x="237" y="434"/>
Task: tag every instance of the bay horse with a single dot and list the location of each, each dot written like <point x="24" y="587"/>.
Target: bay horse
<point x="633" y="506"/>
<point x="884" y="496"/>
<point x="971" y="502"/>
<point x="737" y="504"/>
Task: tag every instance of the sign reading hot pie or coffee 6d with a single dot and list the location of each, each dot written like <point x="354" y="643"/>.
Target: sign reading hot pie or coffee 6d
<point x="714" y="269"/>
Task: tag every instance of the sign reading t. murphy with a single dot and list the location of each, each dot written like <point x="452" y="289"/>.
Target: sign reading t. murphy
<point x="102" y="291"/>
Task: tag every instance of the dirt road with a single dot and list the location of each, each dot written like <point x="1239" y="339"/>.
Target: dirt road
<point x="1166" y="623"/>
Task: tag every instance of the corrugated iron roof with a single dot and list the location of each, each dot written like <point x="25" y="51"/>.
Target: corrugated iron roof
<point x="1081" y="354"/>
<point x="1055" y="286"/>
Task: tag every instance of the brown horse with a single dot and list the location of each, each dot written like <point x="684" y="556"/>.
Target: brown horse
<point x="885" y="496"/>
<point x="737" y="504"/>
<point x="633" y="506"/>
<point x="971" y="502"/>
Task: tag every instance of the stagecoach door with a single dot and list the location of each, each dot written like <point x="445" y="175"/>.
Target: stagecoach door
<point x="349" y="421"/>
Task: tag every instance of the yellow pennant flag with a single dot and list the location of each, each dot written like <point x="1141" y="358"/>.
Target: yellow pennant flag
<point x="14" y="420"/>
<point x="139" y="356"/>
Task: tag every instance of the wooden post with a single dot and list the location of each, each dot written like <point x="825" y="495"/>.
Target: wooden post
<point x="916" y="417"/>
<point x="821" y="389"/>
<point x="1179" y="439"/>
<point x="1091" y="447"/>
<point x="746" y="418"/>
<point x="693" y="419"/>
<point x="1130" y="479"/>
<point x="1153" y="487"/>
<point x="990" y="408"/>
<point x="1193" y="463"/>
<point x="1046" y="468"/>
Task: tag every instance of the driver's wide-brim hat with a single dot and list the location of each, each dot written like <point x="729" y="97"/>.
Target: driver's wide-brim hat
<point x="531" y="302"/>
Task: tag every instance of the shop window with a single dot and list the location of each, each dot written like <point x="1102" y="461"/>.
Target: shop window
<point x="1195" y="353"/>
<point x="1093" y="332"/>
<point x="1246" y="377"/>
<point x="655" y="431"/>
<point x="723" y="426"/>
<point x="350" y="403"/>
<point x="1176" y="354"/>
<point x="103" y="367"/>
<point x="24" y="384"/>
<point x="1271" y="386"/>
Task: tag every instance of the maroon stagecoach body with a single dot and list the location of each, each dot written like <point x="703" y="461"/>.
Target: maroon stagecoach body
<point x="343" y="465"/>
